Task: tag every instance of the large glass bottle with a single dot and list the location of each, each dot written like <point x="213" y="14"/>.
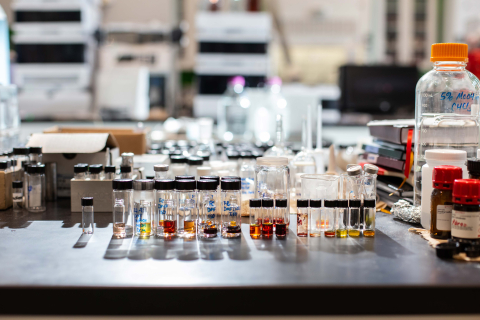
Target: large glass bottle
<point x="446" y="107"/>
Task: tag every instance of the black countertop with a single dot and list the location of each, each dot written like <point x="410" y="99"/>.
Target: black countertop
<point x="47" y="267"/>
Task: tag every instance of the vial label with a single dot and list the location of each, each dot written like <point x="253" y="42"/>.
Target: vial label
<point x="211" y="209"/>
<point x="162" y="206"/>
<point x="137" y="222"/>
<point x="34" y="196"/>
<point x="248" y="186"/>
<point x="465" y="225"/>
<point x="444" y="217"/>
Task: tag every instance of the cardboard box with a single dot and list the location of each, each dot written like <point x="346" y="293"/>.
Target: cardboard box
<point x="129" y="140"/>
<point x="66" y="150"/>
<point x="100" y="190"/>
<point x="5" y="190"/>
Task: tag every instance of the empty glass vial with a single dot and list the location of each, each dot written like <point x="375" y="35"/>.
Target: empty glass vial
<point x="353" y="219"/>
<point x="340" y="218"/>
<point x="315" y="219"/>
<point x="21" y="154"/>
<point x="208" y="221"/>
<point x="255" y="218"/>
<point x="329" y="213"/>
<point x="36" y="188"/>
<point x="187" y="207"/>
<point x="125" y="172"/>
<point x="268" y="218"/>
<point x="87" y="215"/>
<point x="281" y="218"/>
<point x="178" y="166"/>
<point x="35" y="155"/>
<point x="109" y="172"/>
<point x="370" y="181"/>
<point x="193" y="164"/>
<point x="231" y="208"/>
<point x="95" y="171"/>
<point x="369" y="210"/>
<point x="143" y="191"/>
<point x="80" y="172"/>
<point x="123" y="190"/>
<point x="355" y="178"/>
<point x="161" y="171"/>
<point x="17" y="196"/>
<point x="165" y="204"/>
<point x="119" y="219"/>
<point x="302" y="217"/>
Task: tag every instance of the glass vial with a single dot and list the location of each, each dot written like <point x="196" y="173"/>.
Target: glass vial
<point x="329" y="213"/>
<point x="302" y="217"/>
<point x="161" y="171"/>
<point x="353" y="219"/>
<point x="95" y="171"/>
<point x="36" y="155"/>
<point x="315" y="219"/>
<point x="36" y="188"/>
<point x="144" y="218"/>
<point x="143" y="191"/>
<point x="370" y="181"/>
<point x="208" y="220"/>
<point x="87" y="215"/>
<point x="466" y="211"/>
<point x="80" y="171"/>
<point x="340" y="218"/>
<point x="178" y="166"/>
<point x="369" y="210"/>
<point x="281" y="218"/>
<point x="17" y="196"/>
<point x="119" y="219"/>
<point x="187" y="207"/>
<point x="109" y="172"/>
<point x="125" y="172"/>
<point x="268" y="218"/>
<point x="355" y="182"/>
<point x="255" y="218"/>
<point x="166" y="209"/>
<point x="231" y="208"/>
<point x="123" y="190"/>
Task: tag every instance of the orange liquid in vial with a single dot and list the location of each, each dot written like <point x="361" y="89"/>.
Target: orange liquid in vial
<point x="369" y="233"/>
<point x="189" y="226"/>
<point x="160" y="223"/>
<point x="255" y="231"/>
<point x="267" y="230"/>
<point x="330" y="234"/>
<point x="169" y="226"/>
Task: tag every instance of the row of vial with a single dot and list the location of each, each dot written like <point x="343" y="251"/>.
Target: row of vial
<point x="335" y="218"/>
<point x="182" y="207"/>
<point x="269" y="216"/>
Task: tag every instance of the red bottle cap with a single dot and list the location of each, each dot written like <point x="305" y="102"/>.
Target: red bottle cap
<point x="443" y="176"/>
<point x="466" y="191"/>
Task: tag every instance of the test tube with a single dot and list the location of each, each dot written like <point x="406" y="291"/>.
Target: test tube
<point x="267" y="218"/>
<point x="17" y="196"/>
<point x="255" y="218"/>
<point x="340" y="217"/>
<point x="161" y="171"/>
<point x="109" y="172"/>
<point x="329" y="217"/>
<point x="302" y="217"/>
<point x="354" y="217"/>
<point x="87" y="215"/>
<point x="281" y="218"/>
<point x="119" y="219"/>
<point x="369" y="210"/>
<point x="315" y="219"/>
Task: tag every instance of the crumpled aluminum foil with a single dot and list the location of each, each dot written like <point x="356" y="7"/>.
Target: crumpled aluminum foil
<point x="403" y="210"/>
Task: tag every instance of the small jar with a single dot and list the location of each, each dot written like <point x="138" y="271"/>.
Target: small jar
<point x="369" y="211"/>
<point x="95" y="171"/>
<point x="80" y="171"/>
<point x="302" y="217"/>
<point x="125" y="172"/>
<point x="187" y="208"/>
<point x="268" y="218"/>
<point x="315" y="220"/>
<point x="35" y="155"/>
<point x="119" y="219"/>
<point x="329" y="217"/>
<point x="353" y="219"/>
<point x="193" y="164"/>
<point x="231" y="208"/>
<point x="178" y="166"/>
<point x="123" y="190"/>
<point x="87" y="215"/>
<point x="143" y="201"/>
<point x="208" y="221"/>
<point x="166" y="208"/>
<point x="255" y="218"/>
<point x="109" y="172"/>
<point x="36" y="188"/>
<point x="340" y="218"/>
<point x="466" y="211"/>
<point x="281" y="218"/>
<point x="161" y="171"/>
<point x="473" y="167"/>
<point x="17" y="196"/>
<point x="441" y="201"/>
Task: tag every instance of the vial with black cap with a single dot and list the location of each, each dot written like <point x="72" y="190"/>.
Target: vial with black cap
<point x="36" y="188"/>
<point x="125" y="172"/>
<point x="161" y="171"/>
<point x="330" y="212"/>
<point x="80" y="171"/>
<point x="353" y="218"/>
<point x="255" y="218"/>
<point x="302" y="217"/>
<point x="231" y="208"/>
<point x="193" y="164"/>
<point x="143" y="200"/>
<point x="369" y="211"/>
<point x="187" y="207"/>
<point x="315" y="219"/>
<point x="109" y="172"/>
<point x="340" y="218"/>
<point x="21" y="154"/>
<point x="87" y="215"/>
<point x="208" y="220"/>
<point x="165" y="208"/>
<point x="123" y="190"/>
<point x="178" y="166"/>
<point x="95" y="171"/>
<point x="281" y="218"/>
<point x="36" y="155"/>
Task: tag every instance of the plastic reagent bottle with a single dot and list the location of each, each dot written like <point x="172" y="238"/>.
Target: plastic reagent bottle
<point x="446" y="108"/>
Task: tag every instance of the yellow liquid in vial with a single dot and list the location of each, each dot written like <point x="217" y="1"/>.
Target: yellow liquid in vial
<point x="145" y="229"/>
<point x="369" y="233"/>
<point x="354" y="233"/>
<point x="341" y="233"/>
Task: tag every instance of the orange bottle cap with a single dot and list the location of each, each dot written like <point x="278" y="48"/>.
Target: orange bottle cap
<point x="449" y="52"/>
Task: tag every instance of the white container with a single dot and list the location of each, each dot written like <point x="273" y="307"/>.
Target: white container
<point x="434" y="158"/>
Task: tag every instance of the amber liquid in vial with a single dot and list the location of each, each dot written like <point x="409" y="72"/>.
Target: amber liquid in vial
<point x="255" y="231"/>
<point x="210" y="230"/>
<point x="281" y="230"/>
<point x="341" y="233"/>
<point x="354" y="233"/>
<point x="119" y="229"/>
<point x="189" y="226"/>
<point x="267" y="230"/>
<point x="169" y="226"/>
<point x="330" y="234"/>
<point x="369" y="233"/>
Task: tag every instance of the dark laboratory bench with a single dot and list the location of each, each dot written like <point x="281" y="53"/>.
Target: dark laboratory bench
<point x="47" y="267"/>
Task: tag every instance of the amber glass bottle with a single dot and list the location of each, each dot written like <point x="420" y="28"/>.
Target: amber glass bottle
<point x="442" y="204"/>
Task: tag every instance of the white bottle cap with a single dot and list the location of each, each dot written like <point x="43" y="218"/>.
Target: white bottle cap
<point x="203" y="171"/>
<point x="272" y="161"/>
<point x="445" y="155"/>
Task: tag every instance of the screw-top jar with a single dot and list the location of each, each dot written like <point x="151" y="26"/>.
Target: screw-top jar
<point x="123" y="190"/>
<point x="36" y="188"/>
<point x="370" y="181"/>
<point x="355" y="182"/>
<point x="187" y="208"/>
<point x="209" y="217"/>
<point x="95" y="171"/>
<point x="109" y="172"/>
<point x="87" y="215"/>
<point x="80" y="171"/>
<point x="466" y="210"/>
<point x="231" y="209"/>
<point x="272" y="178"/>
